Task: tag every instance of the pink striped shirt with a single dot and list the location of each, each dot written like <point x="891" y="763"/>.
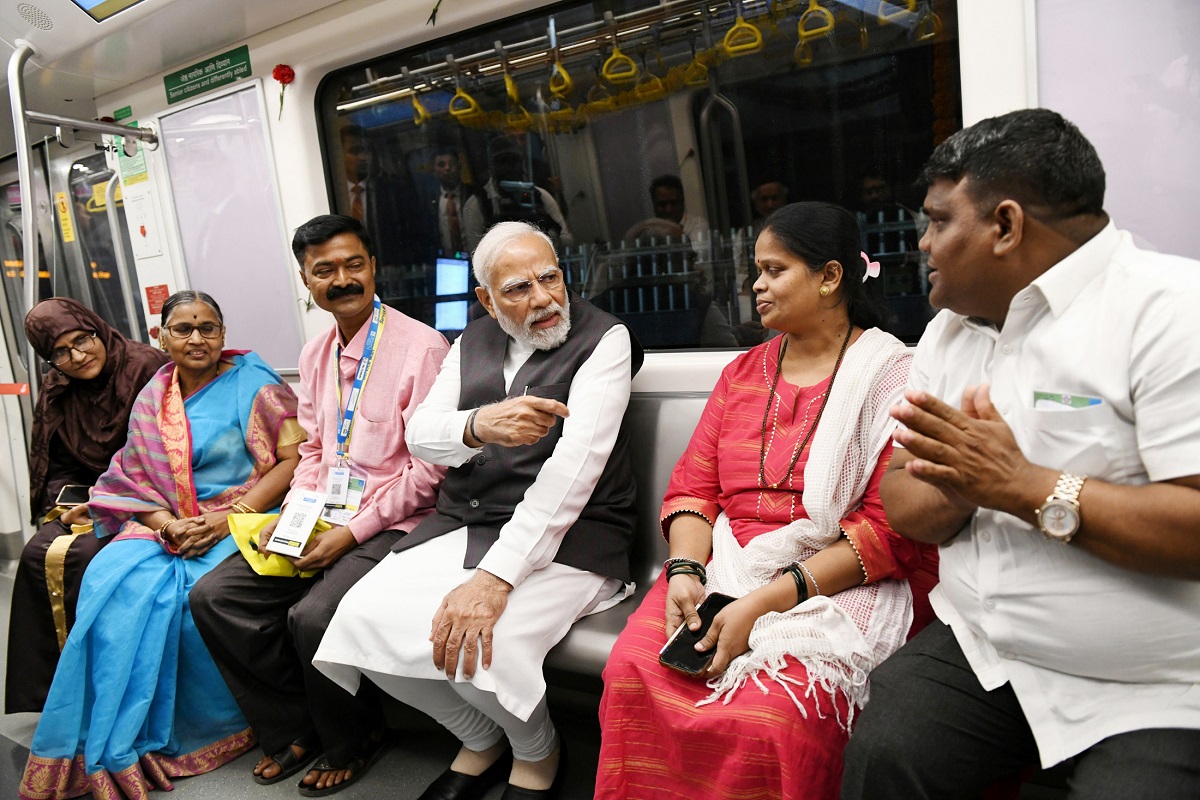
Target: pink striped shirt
<point x="401" y="490"/>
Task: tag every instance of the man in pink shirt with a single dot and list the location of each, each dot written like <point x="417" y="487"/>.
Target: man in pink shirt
<point x="263" y="630"/>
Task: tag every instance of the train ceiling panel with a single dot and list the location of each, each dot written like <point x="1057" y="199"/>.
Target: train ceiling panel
<point x="79" y="58"/>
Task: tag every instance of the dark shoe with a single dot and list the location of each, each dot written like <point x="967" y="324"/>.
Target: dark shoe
<point x="358" y="767"/>
<point x="518" y="793"/>
<point x="289" y="763"/>
<point x="451" y="785"/>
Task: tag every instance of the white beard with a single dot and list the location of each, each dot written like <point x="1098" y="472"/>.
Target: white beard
<point x="547" y="339"/>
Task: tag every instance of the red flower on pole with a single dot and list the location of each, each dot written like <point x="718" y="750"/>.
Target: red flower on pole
<point x="285" y="75"/>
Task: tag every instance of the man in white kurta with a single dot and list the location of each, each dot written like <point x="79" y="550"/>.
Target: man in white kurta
<point x="500" y="590"/>
<point x="1053" y="450"/>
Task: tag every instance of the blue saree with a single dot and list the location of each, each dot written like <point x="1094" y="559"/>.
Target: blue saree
<point x="136" y="698"/>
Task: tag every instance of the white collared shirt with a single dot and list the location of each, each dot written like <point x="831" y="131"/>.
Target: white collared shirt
<point x="1090" y="649"/>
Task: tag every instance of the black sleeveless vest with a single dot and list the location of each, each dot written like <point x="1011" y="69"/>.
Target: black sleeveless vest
<point x="483" y="492"/>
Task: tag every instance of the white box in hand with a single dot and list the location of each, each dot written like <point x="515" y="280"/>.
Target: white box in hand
<point x="296" y="524"/>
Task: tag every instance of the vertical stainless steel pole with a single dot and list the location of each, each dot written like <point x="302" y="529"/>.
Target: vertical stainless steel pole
<point x="29" y="261"/>
<point x="123" y="265"/>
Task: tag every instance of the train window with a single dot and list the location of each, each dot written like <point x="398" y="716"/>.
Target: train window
<point x="102" y="291"/>
<point x="12" y="248"/>
<point x="649" y="138"/>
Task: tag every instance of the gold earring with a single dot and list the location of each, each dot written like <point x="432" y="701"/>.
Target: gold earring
<point x="824" y="291"/>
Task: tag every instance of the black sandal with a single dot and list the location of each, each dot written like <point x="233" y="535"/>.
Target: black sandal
<point x="358" y="766"/>
<point x="288" y="762"/>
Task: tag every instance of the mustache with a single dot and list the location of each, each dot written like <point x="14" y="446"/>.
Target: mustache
<point x="545" y="313"/>
<point x="334" y="292"/>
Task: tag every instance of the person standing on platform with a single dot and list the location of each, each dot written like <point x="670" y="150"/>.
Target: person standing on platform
<point x="263" y="630"/>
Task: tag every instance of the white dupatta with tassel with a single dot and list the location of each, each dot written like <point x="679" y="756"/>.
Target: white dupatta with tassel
<point x="838" y="639"/>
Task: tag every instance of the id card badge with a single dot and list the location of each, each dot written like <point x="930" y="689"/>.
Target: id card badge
<point x="356" y="486"/>
<point x="296" y="524"/>
<point x="337" y="488"/>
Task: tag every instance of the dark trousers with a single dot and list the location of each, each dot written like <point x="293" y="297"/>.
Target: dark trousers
<point x="33" y="645"/>
<point x="263" y="632"/>
<point x="931" y="731"/>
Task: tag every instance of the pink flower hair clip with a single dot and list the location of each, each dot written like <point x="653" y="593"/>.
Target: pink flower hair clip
<point x="872" y="267"/>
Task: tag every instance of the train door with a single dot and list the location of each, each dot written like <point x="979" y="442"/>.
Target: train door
<point x="97" y="255"/>
<point x="16" y="410"/>
<point x="230" y="224"/>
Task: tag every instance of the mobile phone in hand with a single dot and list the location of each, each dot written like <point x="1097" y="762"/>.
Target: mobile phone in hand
<point x="71" y="495"/>
<point x="680" y="653"/>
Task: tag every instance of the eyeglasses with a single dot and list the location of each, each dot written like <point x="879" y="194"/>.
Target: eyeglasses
<point x="209" y="330"/>
<point x="549" y="280"/>
<point x="82" y="343"/>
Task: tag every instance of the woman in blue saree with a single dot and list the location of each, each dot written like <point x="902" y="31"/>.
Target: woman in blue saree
<point x="136" y="698"/>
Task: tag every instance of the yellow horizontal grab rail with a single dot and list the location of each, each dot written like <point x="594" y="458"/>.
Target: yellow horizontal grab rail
<point x="815" y="13"/>
<point x="743" y="38"/>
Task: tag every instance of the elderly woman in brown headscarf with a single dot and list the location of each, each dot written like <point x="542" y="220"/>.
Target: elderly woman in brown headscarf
<point x="81" y="419"/>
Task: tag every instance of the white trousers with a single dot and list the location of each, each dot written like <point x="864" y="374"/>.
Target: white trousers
<point x="382" y="625"/>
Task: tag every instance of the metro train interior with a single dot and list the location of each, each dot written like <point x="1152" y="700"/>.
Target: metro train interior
<point x="246" y="119"/>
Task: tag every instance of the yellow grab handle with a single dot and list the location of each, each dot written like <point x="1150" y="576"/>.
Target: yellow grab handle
<point x="886" y="17"/>
<point x="742" y="38"/>
<point x="650" y="89"/>
<point x="420" y="113"/>
<point x="929" y="27"/>
<point x="815" y="12"/>
<point x="561" y="84"/>
<point x="696" y="74"/>
<point x="510" y="88"/>
<point x="463" y="105"/>
<point x="519" y="118"/>
<point x="803" y="55"/>
<point x="619" y="68"/>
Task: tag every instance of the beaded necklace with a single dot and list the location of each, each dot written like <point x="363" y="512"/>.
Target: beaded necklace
<point x="762" y="449"/>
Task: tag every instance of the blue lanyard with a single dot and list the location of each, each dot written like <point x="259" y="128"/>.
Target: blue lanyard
<point x="360" y="380"/>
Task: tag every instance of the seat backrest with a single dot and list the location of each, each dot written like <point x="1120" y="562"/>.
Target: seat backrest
<point x="660" y="426"/>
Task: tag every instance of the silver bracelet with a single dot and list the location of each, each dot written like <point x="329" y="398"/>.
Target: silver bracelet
<point x="816" y="588"/>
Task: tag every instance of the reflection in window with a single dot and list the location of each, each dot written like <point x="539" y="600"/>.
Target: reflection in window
<point x="649" y="139"/>
<point x="101" y="291"/>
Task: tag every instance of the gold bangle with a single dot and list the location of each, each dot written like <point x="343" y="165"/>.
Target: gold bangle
<point x="162" y="529"/>
<point x="242" y="508"/>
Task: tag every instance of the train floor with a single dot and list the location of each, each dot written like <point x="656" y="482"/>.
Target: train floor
<point x="420" y="750"/>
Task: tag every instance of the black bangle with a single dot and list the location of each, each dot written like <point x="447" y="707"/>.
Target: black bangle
<point x="688" y="569"/>
<point x="681" y="560"/>
<point x="471" y="426"/>
<point x="801" y="587"/>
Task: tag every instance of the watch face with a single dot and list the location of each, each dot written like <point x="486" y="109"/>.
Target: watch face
<point x="1059" y="518"/>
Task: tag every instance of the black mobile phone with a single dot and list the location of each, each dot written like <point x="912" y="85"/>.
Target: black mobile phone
<point x="72" y="494"/>
<point x="680" y="651"/>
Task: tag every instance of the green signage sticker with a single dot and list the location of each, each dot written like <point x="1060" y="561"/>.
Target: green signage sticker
<point x="208" y="75"/>
<point x="123" y="113"/>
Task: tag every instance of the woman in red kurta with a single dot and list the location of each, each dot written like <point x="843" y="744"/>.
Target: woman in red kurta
<point x="771" y="715"/>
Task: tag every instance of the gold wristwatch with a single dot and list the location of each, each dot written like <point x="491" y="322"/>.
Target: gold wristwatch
<point x="1058" y="517"/>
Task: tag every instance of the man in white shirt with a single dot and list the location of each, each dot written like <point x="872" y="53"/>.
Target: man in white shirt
<point x="531" y="529"/>
<point x="1052" y="447"/>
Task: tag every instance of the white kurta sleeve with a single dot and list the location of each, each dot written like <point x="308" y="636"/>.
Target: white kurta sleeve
<point x="597" y="400"/>
<point x="435" y="432"/>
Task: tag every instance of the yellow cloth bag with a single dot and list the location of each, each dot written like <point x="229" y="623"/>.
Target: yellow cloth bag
<point x="245" y="529"/>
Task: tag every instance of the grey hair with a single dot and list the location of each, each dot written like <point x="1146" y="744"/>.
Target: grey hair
<point x="496" y="241"/>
